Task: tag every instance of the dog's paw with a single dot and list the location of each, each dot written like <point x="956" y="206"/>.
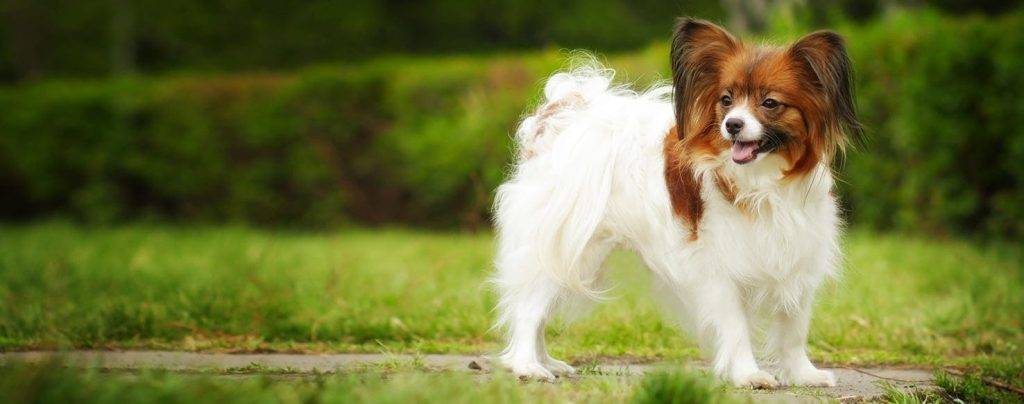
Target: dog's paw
<point x="558" y="367"/>
<point x="810" y="377"/>
<point x="532" y="371"/>
<point x="757" y="380"/>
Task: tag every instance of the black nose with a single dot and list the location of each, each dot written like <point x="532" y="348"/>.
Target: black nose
<point x="733" y="125"/>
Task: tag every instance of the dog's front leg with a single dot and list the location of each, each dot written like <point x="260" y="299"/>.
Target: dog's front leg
<point x="724" y="328"/>
<point x="787" y="343"/>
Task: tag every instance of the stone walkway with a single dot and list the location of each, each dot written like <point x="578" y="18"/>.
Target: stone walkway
<point x="855" y="384"/>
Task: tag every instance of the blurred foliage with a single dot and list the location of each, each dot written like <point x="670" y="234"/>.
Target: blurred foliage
<point x="394" y="383"/>
<point x="681" y="387"/>
<point x="47" y="38"/>
<point x="946" y="154"/>
<point x="418" y="141"/>
<point x="40" y="38"/>
<point x="425" y="141"/>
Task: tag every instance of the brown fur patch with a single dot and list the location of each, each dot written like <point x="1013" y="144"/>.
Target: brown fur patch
<point x="683" y="187"/>
<point x="573" y="101"/>
<point x="726" y="187"/>
<point x="730" y="193"/>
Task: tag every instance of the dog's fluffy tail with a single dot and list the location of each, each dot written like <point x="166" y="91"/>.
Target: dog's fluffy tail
<point x="565" y="95"/>
<point x="551" y="208"/>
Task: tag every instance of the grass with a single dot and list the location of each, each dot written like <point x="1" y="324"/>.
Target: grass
<point x="54" y="384"/>
<point x="977" y="385"/>
<point x="678" y="387"/>
<point x="902" y="300"/>
<point x="51" y="382"/>
<point x="896" y="395"/>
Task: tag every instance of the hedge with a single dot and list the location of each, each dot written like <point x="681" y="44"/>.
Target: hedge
<point x="423" y="141"/>
<point x="946" y="147"/>
<point x="412" y="141"/>
<point x="47" y="38"/>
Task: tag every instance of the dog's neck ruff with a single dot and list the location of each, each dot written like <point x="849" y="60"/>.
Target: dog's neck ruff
<point x="761" y="191"/>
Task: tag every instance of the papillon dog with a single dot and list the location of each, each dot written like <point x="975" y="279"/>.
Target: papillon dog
<point x="721" y="183"/>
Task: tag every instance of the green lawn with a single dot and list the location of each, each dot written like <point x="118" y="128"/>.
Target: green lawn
<point x="901" y="300"/>
<point x="56" y="385"/>
<point x="51" y="383"/>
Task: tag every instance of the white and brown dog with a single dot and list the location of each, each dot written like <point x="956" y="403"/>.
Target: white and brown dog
<point x="721" y="183"/>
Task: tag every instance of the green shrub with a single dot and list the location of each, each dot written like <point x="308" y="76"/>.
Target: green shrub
<point x="945" y="151"/>
<point x="415" y="141"/>
<point x="425" y="141"/>
<point x="58" y="38"/>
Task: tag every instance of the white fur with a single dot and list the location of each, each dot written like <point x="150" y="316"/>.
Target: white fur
<point x="752" y="128"/>
<point x="591" y="179"/>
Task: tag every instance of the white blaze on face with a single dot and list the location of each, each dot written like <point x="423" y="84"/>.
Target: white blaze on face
<point x="746" y="141"/>
<point x="752" y="128"/>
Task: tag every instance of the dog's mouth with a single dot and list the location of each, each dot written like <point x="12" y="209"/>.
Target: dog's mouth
<point x="744" y="152"/>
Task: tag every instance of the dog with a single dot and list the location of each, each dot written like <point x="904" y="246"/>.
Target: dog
<point x="722" y="184"/>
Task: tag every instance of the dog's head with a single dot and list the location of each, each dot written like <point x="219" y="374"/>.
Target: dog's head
<point x="752" y="101"/>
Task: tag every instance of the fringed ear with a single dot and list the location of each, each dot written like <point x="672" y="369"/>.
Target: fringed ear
<point x="698" y="50"/>
<point x="822" y="57"/>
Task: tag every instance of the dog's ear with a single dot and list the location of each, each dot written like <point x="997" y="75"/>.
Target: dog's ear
<point x="823" y="61"/>
<point x="698" y="50"/>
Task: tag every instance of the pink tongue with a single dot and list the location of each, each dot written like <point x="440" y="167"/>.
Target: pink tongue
<point x="744" y="152"/>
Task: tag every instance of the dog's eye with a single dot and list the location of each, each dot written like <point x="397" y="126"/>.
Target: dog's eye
<point x="770" y="103"/>
<point x="726" y="100"/>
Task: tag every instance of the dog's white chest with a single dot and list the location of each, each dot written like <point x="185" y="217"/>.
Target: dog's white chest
<point x="773" y="236"/>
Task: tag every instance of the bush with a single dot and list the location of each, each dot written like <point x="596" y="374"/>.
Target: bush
<point x="414" y="141"/>
<point x="946" y="154"/>
<point x="58" y="38"/>
<point x="426" y="141"/>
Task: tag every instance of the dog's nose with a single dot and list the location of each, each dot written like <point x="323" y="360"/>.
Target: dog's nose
<point x="733" y="125"/>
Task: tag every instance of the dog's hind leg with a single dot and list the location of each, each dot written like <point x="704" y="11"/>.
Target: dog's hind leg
<point x="591" y="263"/>
<point x="526" y="309"/>
<point x="528" y="300"/>
<point x="554" y="365"/>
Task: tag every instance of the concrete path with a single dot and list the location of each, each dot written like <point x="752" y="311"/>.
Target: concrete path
<point x="854" y="384"/>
